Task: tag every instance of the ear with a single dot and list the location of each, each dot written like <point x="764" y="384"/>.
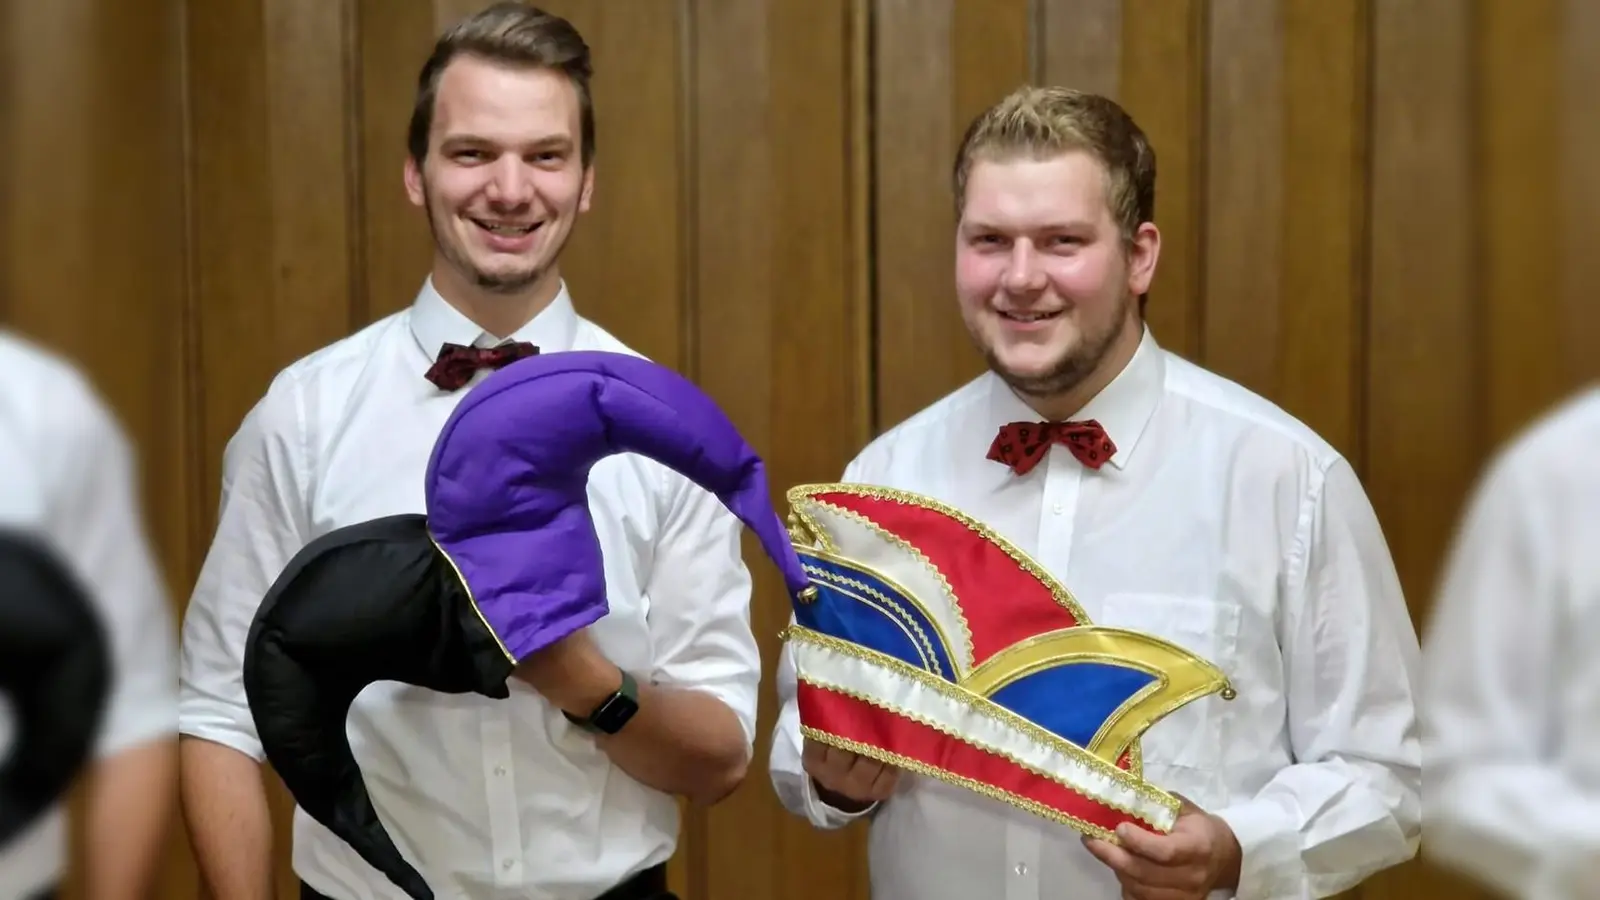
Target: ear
<point x="588" y="189"/>
<point x="413" y="182"/>
<point x="1142" y="258"/>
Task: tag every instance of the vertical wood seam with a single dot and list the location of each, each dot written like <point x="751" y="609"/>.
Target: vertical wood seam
<point x="1476" y="300"/>
<point x="1199" y="164"/>
<point x="358" y="301"/>
<point x="862" y="199"/>
<point x="689" y="191"/>
<point x="1361" y="241"/>
<point x="1036" y="41"/>
<point x="193" y="356"/>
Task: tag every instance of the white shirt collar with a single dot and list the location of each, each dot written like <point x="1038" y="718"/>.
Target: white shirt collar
<point x="1123" y="408"/>
<point x="434" y="322"/>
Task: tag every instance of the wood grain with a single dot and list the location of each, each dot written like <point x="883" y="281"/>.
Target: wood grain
<point x="1378" y="215"/>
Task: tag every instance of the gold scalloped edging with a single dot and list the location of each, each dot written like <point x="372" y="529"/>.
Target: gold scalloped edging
<point x="983" y="706"/>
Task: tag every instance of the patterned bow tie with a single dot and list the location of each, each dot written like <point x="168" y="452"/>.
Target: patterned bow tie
<point x="1022" y="445"/>
<point x="457" y="364"/>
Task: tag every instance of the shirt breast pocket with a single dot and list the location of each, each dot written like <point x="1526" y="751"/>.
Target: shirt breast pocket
<point x="1183" y="751"/>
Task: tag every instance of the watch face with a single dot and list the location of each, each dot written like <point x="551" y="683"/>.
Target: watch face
<point x="614" y="713"/>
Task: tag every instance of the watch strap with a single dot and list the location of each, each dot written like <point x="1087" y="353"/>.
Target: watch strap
<point x="620" y="705"/>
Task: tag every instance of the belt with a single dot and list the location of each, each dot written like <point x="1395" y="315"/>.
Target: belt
<point x="651" y="884"/>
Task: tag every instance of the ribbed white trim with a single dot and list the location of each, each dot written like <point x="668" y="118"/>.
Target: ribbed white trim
<point x="827" y="668"/>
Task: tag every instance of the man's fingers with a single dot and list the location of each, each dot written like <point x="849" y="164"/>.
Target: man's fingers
<point x="1158" y="848"/>
<point x="1135" y="872"/>
<point x="1186" y="806"/>
<point x="857" y="777"/>
<point x="883" y="785"/>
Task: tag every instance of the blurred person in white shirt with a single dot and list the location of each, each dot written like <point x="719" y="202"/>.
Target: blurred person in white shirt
<point x="68" y="479"/>
<point x="532" y="795"/>
<point x="1215" y="520"/>
<point x="1512" y="711"/>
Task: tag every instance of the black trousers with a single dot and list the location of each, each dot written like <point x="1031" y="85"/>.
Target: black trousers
<point x="651" y="884"/>
<point x="46" y="894"/>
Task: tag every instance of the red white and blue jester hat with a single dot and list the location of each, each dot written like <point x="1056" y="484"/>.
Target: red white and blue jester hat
<point x="937" y="646"/>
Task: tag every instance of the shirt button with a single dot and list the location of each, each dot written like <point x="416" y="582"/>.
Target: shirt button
<point x="1022" y="868"/>
<point x="508" y="864"/>
<point x="500" y="770"/>
<point x="1056" y="509"/>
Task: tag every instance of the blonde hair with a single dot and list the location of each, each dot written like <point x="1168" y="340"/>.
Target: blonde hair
<point x="1047" y="121"/>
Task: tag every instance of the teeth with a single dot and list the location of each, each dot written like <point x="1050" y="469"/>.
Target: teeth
<point x="1028" y="317"/>
<point x="510" y="230"/>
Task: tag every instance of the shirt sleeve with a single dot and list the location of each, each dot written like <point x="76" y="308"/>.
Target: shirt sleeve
<point x="1350" y="804"/>
<point x="260" y="526"/>
<point x="97" y="520"/>
<point x="1500" y="806"/>
<point x="699" y="615"/>
<point x="794" y="787"/>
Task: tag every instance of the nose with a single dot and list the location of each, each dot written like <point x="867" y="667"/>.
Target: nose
<point x="509" y="184"/>
<point x="1023" y="272"/>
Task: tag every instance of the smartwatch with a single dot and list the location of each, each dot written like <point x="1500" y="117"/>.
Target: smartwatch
<point x="613" y="712"/>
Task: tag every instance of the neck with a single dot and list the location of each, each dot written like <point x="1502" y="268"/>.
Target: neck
<point x="499" y="313"/>
<point x="1064" y="405"/>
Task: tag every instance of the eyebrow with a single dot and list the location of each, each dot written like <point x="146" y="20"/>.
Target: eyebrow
<point x="1065" y="225"/>
<point x="554" y="141"/>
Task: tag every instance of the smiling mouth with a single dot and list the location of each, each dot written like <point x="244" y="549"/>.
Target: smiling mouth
<point x="1028" y="316"/>
<point x="507" y="229"/>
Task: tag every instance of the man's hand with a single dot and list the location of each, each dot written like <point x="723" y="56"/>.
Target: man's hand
<point x="1199" y="856"/>
<point x="846" y="781"/>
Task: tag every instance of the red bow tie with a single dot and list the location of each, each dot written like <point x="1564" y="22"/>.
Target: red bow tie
<point x="1021" y="445"/>
<point x="457" y="364"/>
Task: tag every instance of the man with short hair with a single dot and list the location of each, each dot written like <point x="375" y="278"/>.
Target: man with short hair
<point x="1168" y="500"/>
<point x="535" y="795"/>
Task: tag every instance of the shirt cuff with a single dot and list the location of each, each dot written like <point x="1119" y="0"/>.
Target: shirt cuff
<point x="198" y="721"/>
<point x="1270" y="865"/>
<point x="824" y="816"/>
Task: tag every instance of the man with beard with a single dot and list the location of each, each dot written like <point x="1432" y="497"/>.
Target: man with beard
<point x="536" y="795"/>
<point x="1169" y="501"/>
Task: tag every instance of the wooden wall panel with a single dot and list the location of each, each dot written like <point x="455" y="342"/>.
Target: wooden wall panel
<point x="1378" y="215"/>
<point x="1425" y="373"/>
<point x="937" y="63"/>
<point x="92" y="258"/>
<point x="779" y="340"/>
<point x="1162" y="84"/>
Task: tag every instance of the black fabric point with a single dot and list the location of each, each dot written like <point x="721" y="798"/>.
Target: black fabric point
<point x="366" y="603"/>
<point x="55" y="666"/>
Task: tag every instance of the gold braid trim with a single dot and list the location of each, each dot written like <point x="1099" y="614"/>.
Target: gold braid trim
<point x="982" y="706"/>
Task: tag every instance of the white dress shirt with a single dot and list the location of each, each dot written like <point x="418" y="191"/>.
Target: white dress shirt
<point x="1223" y="525"/>
<point x="68" y="475"/>
<point x="487" y="798"/>
<point x="1512" y="714"/>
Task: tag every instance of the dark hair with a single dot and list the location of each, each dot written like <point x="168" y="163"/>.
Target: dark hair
<point x="515" y="34"/>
